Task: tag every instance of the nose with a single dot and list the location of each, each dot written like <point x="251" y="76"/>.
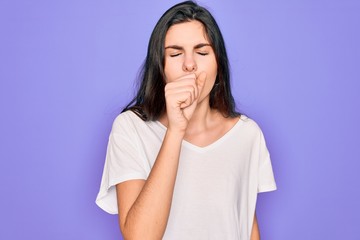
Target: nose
<point x="189" y="64"/>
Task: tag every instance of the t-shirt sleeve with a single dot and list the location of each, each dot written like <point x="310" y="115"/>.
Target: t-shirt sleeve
<point x="266" y="180"/>
<point x="123" y="162"/>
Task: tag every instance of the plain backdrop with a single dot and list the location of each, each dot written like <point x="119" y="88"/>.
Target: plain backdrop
<point x="68" y="67"/>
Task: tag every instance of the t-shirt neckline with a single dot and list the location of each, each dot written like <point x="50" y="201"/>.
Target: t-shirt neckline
<point x="211" y="145"/>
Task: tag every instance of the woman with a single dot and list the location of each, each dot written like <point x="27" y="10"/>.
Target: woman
<point x="181" y="162"/>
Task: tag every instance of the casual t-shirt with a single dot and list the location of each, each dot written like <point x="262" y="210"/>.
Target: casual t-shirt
<point x="216" y="186"/>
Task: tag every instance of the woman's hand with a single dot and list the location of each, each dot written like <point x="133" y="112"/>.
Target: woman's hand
<point x="182" y="96"/>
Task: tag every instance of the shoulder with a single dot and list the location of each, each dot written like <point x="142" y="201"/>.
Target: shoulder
<point x="249" y="123"/>
<point x="127" y="116"/>
<point x="250" y="128"/>
<point x="126" y="121"/>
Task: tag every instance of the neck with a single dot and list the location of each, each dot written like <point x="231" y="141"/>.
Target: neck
<point x="202" y="118"/>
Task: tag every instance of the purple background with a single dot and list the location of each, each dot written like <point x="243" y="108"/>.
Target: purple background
<point x="68" y="67"/>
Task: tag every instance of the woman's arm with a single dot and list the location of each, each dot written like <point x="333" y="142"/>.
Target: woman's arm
<point x="255" y="232"/>
<point x="144" y="206"/>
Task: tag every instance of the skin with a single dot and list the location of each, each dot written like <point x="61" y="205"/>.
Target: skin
<point x="190" y="70"/>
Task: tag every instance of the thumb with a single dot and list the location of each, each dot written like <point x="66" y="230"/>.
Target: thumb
<point x="200" y="82"/>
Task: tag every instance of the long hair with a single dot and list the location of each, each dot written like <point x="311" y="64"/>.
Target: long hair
<point x="149" y="102"/>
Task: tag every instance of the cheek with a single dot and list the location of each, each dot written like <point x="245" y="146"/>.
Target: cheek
<point x="211" y="69"/>
<point x="172" y="70"/>
<point x="169" y="74"/>
<point x="211" y="76"/>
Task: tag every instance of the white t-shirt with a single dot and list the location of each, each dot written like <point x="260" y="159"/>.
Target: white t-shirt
<point x="216" y="186"/>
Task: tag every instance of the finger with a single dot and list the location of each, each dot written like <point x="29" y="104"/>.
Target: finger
<point x="185" y="93"/>
<point x="184" y="85"/>
<point x="175" y="90"/>
<point x="190" y="79"/>
<point x="200" y="82"/>
<point x="187" y="76"/>
<point x="184" y="99"/>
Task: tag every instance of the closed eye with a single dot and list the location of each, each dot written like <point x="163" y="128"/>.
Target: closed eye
<point x="203" y="53"/>
<point x="175" y="54"/>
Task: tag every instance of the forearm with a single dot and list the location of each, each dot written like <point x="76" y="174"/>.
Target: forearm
<point x="149" y="214"/>
<point x="255" y="232"/>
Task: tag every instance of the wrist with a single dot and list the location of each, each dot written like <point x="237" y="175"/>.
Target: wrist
<point x="175" y="134"/>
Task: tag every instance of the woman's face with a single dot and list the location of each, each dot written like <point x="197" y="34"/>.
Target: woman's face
<point x="187" y="50"/>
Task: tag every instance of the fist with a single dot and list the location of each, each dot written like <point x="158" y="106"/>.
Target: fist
<point x="182" y="95"/>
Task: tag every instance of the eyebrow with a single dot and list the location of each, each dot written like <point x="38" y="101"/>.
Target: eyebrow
<point x="177" y="47"/>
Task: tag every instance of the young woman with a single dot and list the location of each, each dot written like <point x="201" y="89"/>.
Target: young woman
<point x="181" y="162"/>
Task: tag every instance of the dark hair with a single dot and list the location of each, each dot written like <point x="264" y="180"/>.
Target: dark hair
<point x="149" y="102"/>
